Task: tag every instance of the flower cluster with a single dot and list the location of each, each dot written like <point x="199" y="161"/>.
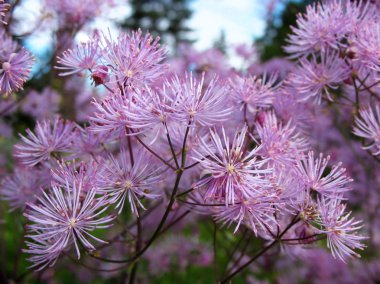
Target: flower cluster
<point x="368" y="127"/>
<point x="191" y="135"/>
<point x="130" y="60"/>
<point x="15" y="64"/>
<point x="3" y="8"/>
<point x="334" y="41"/>
<point x="64" y="217"/>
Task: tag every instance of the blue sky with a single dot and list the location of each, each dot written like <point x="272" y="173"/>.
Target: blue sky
<point x="241" y="20"/>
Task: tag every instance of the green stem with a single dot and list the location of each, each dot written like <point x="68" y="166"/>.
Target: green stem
<point x="184" y="150"/>
<point x="158" y="229"/>
<point x="260" y="253"/>
<point x="154" y="153"/>
<point x="171" y="146"/>
<point x="138" y="245"/>
<point x="215" y="251"/>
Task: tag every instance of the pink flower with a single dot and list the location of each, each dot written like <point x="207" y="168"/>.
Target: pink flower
<point x="365" y="45"/>
<point x="368" y="127"/>
<point x="254" y="212"/>
<point x="3" y="8"/>
<point x="253" y="92"/>
<point x="126" y="181"/>
<point x="64" y="216"/>
<point x="315" y="78"/>
<point x="14" y="71"/>
<point x="135" y="59"/>
<point x="23" y="186"/>
<point x="195" y="102"/>
<point x="313" y="173"/>
<point x="84" y="57"/>
<point x="281" y="145"/>
<point x="49" y="136"/>
<point x="341" y="230"/>
<point x="234" y="172"/>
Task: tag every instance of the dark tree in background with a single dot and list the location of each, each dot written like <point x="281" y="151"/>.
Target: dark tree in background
<point x="278" y="28"/>
<point x="166" y="18"/>
<point x="220" y="43"/>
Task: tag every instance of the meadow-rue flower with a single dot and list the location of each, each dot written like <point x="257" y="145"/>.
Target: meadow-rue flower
<point x="234" y="172"/>
<point x="3" y="8"/>
<point x="253" y="92"/>
<point x="279" y="144"/>
<point x="83" y="57"/>
<point x="316" y="77"/>
<point x="341" y="230"/>
<point x="50" y="136"/>
<point x="23" y="186"/>
<point x="313" y="172"/>
<point x="367" y="126"/>
<point x="64" y="216"/>
<point x="134" y="59"/>
<point x="198" y="103"/>
<point x="124" y="181"/>
<point x="14" y="71"/>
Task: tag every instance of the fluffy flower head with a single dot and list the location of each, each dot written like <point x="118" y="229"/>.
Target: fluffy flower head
<point x="234" y="171"/>
<point x="49" y="136"/>
<point x="64" y="216"/>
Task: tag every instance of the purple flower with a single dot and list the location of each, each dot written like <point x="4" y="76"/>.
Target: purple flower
<point x="279" y="144"/>
<point x="341" y="230"/>
<point x="64" y="216"/>
<point x="365" y="45"/>
<point x="368" y="127"/>
<point x="8" y="45"/>
<point x="304" y="205"/>
<point x="110" y="116"/>
<point x="41" y="105"/>
<point x="3" y="8"/>
<point x="124" y="181"/>
<point x="87" y="142"/>
<point x="332" y="183"/>
<point x="253" y="92"/>
<point x="277" y="65"/>
<point x="286" y="186"/>
<point x="319" y="29"/>
<point x="234" y="172"/>
<point x="49" y="136"/>
<point x="255" y="212"/>
<point x="195" y="102"/>
<point x="23" y="186"/>
<point x="8" y="106"/>
<point x="289" y="108"/>
<point x="133" y="112"/>
<point x="314" y="78"/>
<point x="134" y="59"/>
<point x="83" y="104"/>
<point x="73" y="14"/>
<point x="15" y="71"/>
<point x="6" y="130"/>
<point x="149" y="109"/>
<point x="86" y="175"/>
<point x="245" y="51"/>
<point x="327" y="25"/>
<point x="83" y="57"/>
<point x="193" y="142"/>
